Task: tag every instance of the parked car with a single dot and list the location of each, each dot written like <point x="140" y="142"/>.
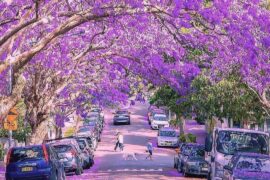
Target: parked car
<point x="223" y="143"/>
<point x="34" y="162"/>
<point x="167" y="137"/>
<point x="121" y="116"/>
<point x="99" y="110"/>
<point x="88" y="156"/>
<point x="70" y="157"/>
<point x="248" y="166"/>
<point x="94" y="121"/>
<point x="152" y="111"/>
<point x="159" y="121"/>
<point x="89" y="131"/>
<point x="91" y="141"/>
<point x="190" y="160"/>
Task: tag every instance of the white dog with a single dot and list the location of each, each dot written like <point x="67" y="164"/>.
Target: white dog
<point x="130" y="156"/>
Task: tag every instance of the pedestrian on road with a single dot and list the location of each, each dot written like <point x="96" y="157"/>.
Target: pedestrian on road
<point x="149" y="149"/>
<point x="121" y="141"/>
<point x="117" y="141"/>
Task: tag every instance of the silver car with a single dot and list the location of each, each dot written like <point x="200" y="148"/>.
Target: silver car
<point x="167" y="137"/>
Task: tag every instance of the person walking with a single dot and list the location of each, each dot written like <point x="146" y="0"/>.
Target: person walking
<point x="149" y="147"/>
<point x="117" y="141"/>
<point x="121" y="141"/>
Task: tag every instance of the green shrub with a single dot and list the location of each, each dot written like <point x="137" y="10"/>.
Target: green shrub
<point x="188" y="138"/>
<point x="192" y="138"/>
<point x="1" y="152"/>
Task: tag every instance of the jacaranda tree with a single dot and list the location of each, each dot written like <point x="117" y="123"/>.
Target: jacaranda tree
<point x="55" y="47"/>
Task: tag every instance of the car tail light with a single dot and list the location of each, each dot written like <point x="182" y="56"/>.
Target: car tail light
<point x="45" y="152"/>
<point x="8" y="156"/>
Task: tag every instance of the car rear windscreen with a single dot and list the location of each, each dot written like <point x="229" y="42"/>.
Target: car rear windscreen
<point x="26" y="153"/>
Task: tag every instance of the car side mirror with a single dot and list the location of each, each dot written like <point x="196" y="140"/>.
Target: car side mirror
<point x="208" y="143"/>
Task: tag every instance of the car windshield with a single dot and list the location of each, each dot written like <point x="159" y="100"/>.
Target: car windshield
<point x="122" y="112"/>
<point x="259" y="164"/>
<point x="193" y="151"/>
<point x="62" y="148"/>
<point x="229" y="142"/>
<point x="160" y="117"/>
<point x="95" y="110"/>
<point x="167" y="133"/>
<point x="26" y="153"/>
<point x="89" y="123"/>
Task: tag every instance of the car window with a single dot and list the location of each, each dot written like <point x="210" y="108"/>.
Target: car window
<point x="26" y="153"/>
<point x="160" y="117"/>
<point x="260" y="164"/>
<point x="167" y="133"/>
<point x="62" y="148"/>
<point x="121" y="112"/>
<point x="82" y="144"/>
<point x="193" y="150"/>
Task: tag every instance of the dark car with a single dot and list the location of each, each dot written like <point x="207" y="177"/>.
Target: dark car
<point x="121" y="117"/>
<point x="87" y="152"/>
<point x="190" y="160"/>
<point x="248" y="166"/>
<point x="70" y="157"/>
<point x="34" y="162"/>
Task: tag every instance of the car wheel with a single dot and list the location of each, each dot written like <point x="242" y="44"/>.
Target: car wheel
<point x="209" y="176"/>
<point x="179" y="169"/>
<point x="63" y="175"/>
<point x="184" y="173"/>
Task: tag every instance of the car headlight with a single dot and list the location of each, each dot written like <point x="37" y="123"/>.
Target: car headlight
<point x="191" y="163"/>
<point x="218" y="170"/>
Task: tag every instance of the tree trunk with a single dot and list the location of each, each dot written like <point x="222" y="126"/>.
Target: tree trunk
<point x="39" y="133"/>
<point x="181" y="124"/>
<point x="8" y="102"/>
<point x="58" y="132"/>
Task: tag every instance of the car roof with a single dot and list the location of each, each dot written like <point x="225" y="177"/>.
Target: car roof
<point x="242" y="130"/>
<point x="31" y="146"/>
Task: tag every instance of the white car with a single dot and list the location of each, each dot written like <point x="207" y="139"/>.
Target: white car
<point x="159" y="121"/>
<point x="167" y="137"/>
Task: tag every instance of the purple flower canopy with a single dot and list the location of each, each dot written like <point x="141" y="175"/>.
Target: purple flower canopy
<point x="100" y="55"/>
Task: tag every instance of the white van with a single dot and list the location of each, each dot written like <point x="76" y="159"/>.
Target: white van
<point x="223" y="143"/>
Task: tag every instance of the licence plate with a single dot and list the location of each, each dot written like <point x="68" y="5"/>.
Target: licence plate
<point x="204" y="169"/>
<point x="27" y="169"/>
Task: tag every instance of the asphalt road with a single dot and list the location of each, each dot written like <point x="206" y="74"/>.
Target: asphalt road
<point x="110" y="165"/>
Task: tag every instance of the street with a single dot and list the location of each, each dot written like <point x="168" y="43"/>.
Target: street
<point x="111" y="165"/>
